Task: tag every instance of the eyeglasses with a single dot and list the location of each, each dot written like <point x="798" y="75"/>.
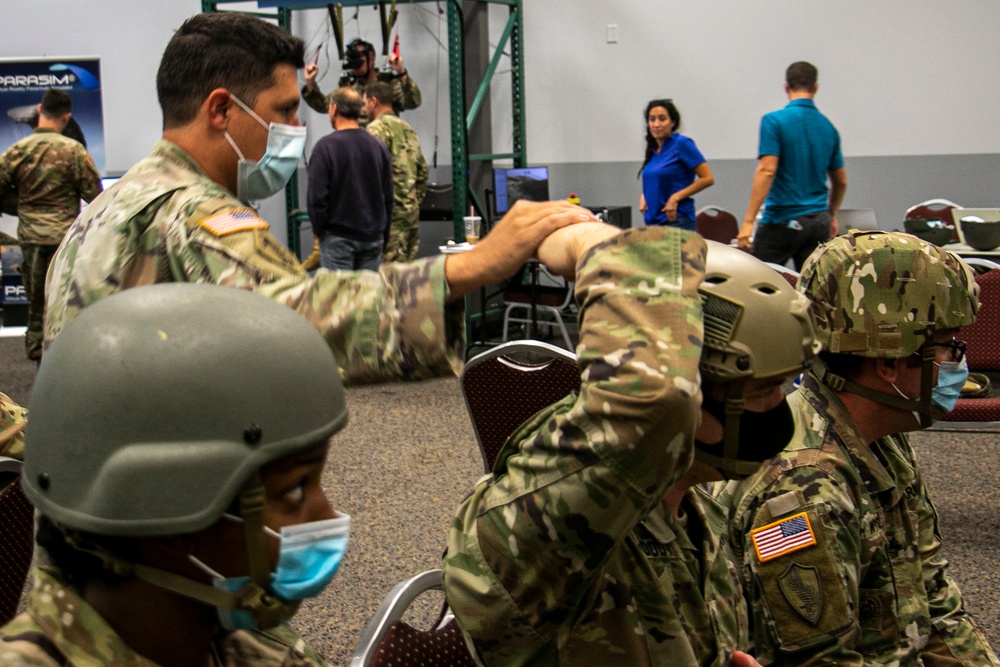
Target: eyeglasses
<point x="957" y="348"/>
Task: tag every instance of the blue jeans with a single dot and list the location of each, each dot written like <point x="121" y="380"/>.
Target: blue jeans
<point x="791" y="239"/>
<point x="338" y="252"/>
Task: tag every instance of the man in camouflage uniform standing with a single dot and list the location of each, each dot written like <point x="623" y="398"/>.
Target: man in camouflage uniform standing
<point x="360" y="62"/>
<point x="51" y="173"/>
<point x="837" y="535"/>
<point x="231" y="135"/>
<point x="409" y="172"/>
<point x="590" y="544"/>
<point x="165" y="540"/>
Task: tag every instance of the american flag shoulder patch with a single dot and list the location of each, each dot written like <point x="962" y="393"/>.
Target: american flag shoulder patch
<point x="232" y="220"/>
<point x="783" y="537"/>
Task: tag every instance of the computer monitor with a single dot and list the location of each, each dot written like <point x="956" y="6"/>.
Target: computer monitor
<point x="108" y="181"/>
<point x="509" y="185"/>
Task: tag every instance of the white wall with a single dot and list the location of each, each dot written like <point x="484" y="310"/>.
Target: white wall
<point x="898" y="77"/>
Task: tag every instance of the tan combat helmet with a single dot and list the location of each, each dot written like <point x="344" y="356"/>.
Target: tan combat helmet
<point x="756" y="327"/>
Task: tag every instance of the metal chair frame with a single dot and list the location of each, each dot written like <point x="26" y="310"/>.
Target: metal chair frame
<point x="391" y="611"/>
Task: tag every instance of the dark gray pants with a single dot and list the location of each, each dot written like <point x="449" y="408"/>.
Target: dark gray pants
<point x="791" y="239"/>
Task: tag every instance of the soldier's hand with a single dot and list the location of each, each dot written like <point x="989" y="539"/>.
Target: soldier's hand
<point x="396" y="63"/>
<point x="741" y="659"/>
<point x="562" y="249"/>
<point x="513" y="241"/>
<point x="310" y="72"/>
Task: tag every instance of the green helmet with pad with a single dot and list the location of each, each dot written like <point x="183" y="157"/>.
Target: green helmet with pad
<point x="156" y="405"/>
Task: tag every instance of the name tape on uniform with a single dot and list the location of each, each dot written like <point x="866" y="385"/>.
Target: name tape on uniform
<point x="783" y="537"/>
<point x="233" y="220"/>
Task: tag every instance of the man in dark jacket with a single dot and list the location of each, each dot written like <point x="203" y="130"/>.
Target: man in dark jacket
<point x="350" y="189"/>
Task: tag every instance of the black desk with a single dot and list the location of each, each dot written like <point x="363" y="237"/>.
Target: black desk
<point x="619" y="216"/>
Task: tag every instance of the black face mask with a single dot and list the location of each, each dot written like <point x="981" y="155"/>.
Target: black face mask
<point x="762" y="435"/>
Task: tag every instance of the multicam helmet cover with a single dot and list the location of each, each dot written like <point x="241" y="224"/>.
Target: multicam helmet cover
<point x="883" y="294"/>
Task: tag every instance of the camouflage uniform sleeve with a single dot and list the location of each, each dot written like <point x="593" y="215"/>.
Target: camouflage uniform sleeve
<point x="526" y="549"/>
<point x="316" y="99"/>
<point x="12" y="420"/>
<point x="803" y="601"/>
<point x="277" y="646"/>
<point x="423" y="175"/>
<point x="393" y="324"/>
<point x="410" y="92"/>
<point x="6" y="178"/>
<point x="90" y="179"/>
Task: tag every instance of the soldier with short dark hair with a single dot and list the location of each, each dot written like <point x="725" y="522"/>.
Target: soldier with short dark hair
<point x="837" y="536"/>
<point x="51" y="174"/>
<point x="228" y="89"/>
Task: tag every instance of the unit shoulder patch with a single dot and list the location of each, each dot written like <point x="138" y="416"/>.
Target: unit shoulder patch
<point x="803" y="589"/>
<point x="783" y="537"/>
<point x="232" y="220"/>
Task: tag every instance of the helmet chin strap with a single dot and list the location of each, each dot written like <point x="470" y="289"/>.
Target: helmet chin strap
<point x="729" y="463"/>
<point x="927" y="410"/>
<point x="267" y="609"/>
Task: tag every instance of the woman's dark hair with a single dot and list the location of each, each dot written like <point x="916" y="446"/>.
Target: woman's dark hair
<point x="675" y="116"/>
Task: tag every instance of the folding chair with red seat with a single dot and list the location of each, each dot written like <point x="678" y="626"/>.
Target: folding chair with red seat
<point x="716" y="224"/>
<point x="505" y="386"/>
<point x="983" y="356"/>
<point x="17" y="539"/>
<point x="388" y="640"/>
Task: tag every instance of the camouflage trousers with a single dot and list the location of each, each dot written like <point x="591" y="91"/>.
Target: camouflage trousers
<point x="36" y="264"/>
<point x="403" y="241"/>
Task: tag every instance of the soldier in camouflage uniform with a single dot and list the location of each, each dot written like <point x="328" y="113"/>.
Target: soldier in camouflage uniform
<point x="589" y="544"/>
<point x="51" y="173"/>
<point x="177" y="216"/>
<point x="12" y="420"/>
<point x="167" y="540"/>
<point x="360" y="61"/>
<point x="409" y="173"/>
<point x="837" y="535"/>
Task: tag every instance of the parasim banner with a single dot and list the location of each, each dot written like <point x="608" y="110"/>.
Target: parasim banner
<point x="23" y="81"/>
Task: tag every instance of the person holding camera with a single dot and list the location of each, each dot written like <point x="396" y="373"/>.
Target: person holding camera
<point x="359" y="71"/>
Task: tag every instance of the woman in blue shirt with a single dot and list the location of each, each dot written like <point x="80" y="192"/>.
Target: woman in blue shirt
<point x="673" y="171"/>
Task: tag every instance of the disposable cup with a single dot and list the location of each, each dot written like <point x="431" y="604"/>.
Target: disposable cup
<point x="472" y="227"/>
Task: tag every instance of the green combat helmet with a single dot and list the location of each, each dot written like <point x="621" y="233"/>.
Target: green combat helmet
<point x="756" y="327"/>
<point x="883" y="295"/>
<point x="156" y="408"/>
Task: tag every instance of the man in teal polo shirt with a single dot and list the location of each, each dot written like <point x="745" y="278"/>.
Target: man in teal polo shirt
<point x="799" y="150"/>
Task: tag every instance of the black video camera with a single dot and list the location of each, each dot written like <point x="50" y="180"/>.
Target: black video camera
<point x="356" y="54"/>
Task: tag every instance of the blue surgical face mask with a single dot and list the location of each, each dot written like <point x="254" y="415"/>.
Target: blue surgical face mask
<point x="309" y="555"/>
<point x="945" y="393"/>
<point x="951" y="378"/>
<point x="285" y="147"/>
